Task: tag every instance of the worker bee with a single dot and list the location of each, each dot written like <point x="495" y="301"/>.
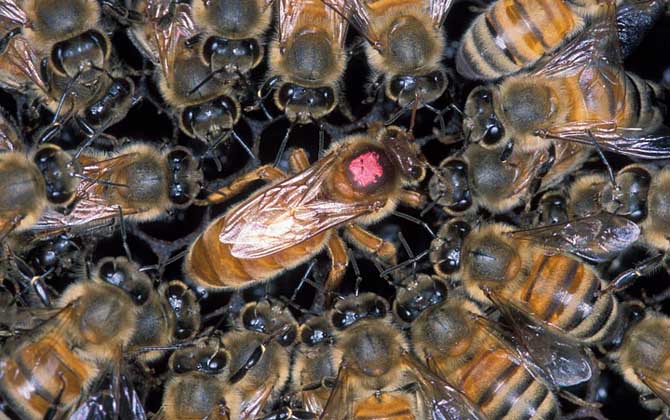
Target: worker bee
<point x="500" y="265"/>
<point x="309" y="58"/>
<point x="198" y="383"/>
<point x="314" y="364"/>
<point x="64" y="62"/>
<point x="479" y="178"/>
<point x="171" y="314"/>
<point x="405" y="45"/>
<point x="640" y="196"/>
<point x="82" y="339"/>
<point x="377" y="376"/>
<point x="260" y="358"/>
<point x="511" y="36"/>
<point x="581" y="94"/>
<point x="32" y="184"/>
<point x="643" y="360"/>
<point x="469" y="351"/>
<point x="138" y="182"/>
<point x="204" y="106"/>
<point x="359" y="181"/>
<point x="232" y="32"/>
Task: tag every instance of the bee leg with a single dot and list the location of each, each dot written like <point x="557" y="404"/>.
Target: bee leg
<point x="298" y="160"/>
<point x="262" y="173"/>
<point x="412" y="199"/>
<point x="540" y="173"/>
<point x="284" y="142"/>
<point x="371" y="244"/>
<point x="628" y="277"/>
<point x="122" y="13"/>
<point x="339" y="261"/>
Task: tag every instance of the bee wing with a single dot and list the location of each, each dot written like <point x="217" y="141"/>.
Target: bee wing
<point x="19" y="66"/>
<point x="443" y="400"/>
<point x="338" y="25"/>
<point x="439" y="10"/>
<point x="287" y="214"/>
<point x="101" y="404"/>
<point x="340" y="403"/>
<point x="546" y="351"/>
<point x="11" y="15"/>
<point x="251" y="408"/>
<point x="659" y="386"/>
<point x="597" y="238"/>
<point x="289" y="10"/>
<point x="359" y="14"/>
<point x="172" y="24"/>
<point x="627" y="141"/>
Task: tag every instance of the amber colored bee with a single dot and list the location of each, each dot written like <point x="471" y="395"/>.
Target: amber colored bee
<point x="64" y="62"/>
<point x="308" y="59"/>
<point x="513" y="35"/>
<point x="198" y="383"/>
<point x="467" y="350"/>
<point x="535" y="274"/>
<point x="82" y="339"/>
<point x="581" y="94"/>
<point x="377" y="376"/>
<point x="203" y="105"/>
<point x="405" y="45"/>
<point x="260" y="359"/>
<point x="479" y="178"/>
<point x="33" y="184"/>
<point x="643" y="360"/>
<point x="138" y="182"/>
<point x="232" y="32"/>
<point x="359" y="181"/>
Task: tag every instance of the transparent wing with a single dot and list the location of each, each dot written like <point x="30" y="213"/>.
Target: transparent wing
<point x="597" y="238"/>
<point x="439" y="10"/>
<point x="19" y="66"/>
<point x="442" y="400"/>
<point x="102" y="404"/>
<point x="289" y="11"/>
<point x="546" y="351"/>
<point x="340" y="404"/>
<point x="252" y="407"/>
<point x="11" y="15"/>
<point x="359" y="14"/>
<point x="287" y="214"/>
<point x="659" y="386"/>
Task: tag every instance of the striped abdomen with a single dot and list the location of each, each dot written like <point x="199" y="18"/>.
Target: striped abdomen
<point x="643" y="109"/>
<point x="562" y="291"/>
<point x="43" y="375"/>
<point x="512" y="35"/>
<point x="496" y="382"/>
<point x="210" y="263"/>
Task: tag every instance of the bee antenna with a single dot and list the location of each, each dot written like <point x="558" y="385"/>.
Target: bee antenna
<point x="100" y="181"/>
<point x="415" y="221"/>
<point x="207" y="78"/>
<point x="165" y="263"/>
<point x="246" y="148"/>
<point x="357" y="271"/>
<point x="284" y="142"/>
<point x="124" y="234"/>
<point x="405" y="263"/>
<point x="409" y="252"/>
<point x="64" y="95"/>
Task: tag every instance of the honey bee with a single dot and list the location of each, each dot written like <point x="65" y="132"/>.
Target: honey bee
<point x="314" y="364"/>
<point x="511" y="36"/>
<point x="640" y="196"/>
<point x="466" y="349"/>
<point x="198" y="384"/>
<point x="204" y="106"/>
<point x="82" y="340"/>
<point x="260" y="358"/>
<point x="377" y="376"/>
<point x="500" y="265"/>
<point x="359" y="181"/>
<point x="232" y="32"/>
<point x="405" y="45"/>
<point x="138" y="182"/>
<point x="581" y="94"/>
<point x="63" y="62"/>
<point x="170" y="314"/>
<point x="309" y="58"/>
<point x="479" y="178"/>
<point x="32" y="184"/>
<point x="643" y="360"/>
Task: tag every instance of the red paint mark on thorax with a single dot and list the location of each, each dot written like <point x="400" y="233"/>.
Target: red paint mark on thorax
<point x="366" y="169"/>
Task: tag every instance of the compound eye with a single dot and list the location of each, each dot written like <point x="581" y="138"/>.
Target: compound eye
<point x="401" y="86"/>
<point x="183" y="331"/>
<point x="288" y="337"/>
<point x="111" y="273"/>
<point x="179" y="194"/>
<point x="494" y="131"/>
<point x="377" y="309"/>
<point x="253" y="321"/>
<point x="214" y="363"/>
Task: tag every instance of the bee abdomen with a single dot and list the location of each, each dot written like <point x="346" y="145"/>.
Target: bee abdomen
<point x="511" y="35"/>
<point x="643" y="102"/>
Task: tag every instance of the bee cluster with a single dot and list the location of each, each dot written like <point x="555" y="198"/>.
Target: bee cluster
<point x="334" y="209"/>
